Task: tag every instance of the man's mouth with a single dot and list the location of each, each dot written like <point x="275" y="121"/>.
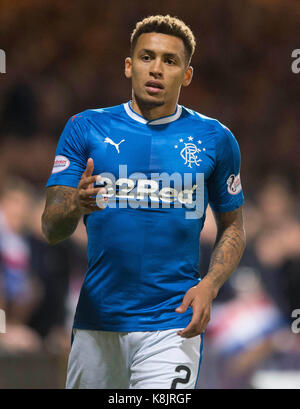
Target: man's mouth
<point x="154" y="87"/>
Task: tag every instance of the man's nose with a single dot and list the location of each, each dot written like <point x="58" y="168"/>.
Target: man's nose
<point x="156" y="69"/>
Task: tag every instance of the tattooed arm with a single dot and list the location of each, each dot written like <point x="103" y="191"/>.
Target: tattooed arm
<point x="227" y="252"/>
<point x="65" y="205"/>
<point x="228" y="249"/>
<point x="61" y="214"/>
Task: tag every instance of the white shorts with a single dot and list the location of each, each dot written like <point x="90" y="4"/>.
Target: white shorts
<point x="133" y="360"/>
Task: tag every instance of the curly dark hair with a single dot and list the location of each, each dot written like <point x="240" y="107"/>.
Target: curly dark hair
<point x="165" y="25"/>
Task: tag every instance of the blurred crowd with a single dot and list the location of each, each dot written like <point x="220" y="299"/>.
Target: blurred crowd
<point x="65" y="57"/>
<point x="39" y="283"/>
<point x="251" y="321"/>
<point x="250" y="332"/>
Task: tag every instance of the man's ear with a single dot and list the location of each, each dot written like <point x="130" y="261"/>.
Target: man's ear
<point x="128" y="67"/>
<point x="188" y="76"/>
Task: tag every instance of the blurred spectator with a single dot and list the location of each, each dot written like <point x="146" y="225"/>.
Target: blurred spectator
<point x="39" y="283"/>
<point x="19" y="291"/>
<point x="275" y="200"/>
<point x="54" y="267"/>
<point x="51" y="266"/>
<point x="240" y="334"/>
<point x="278" y="244"/>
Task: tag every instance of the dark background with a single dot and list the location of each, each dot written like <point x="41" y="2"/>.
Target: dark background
<point x="65" y="57"/>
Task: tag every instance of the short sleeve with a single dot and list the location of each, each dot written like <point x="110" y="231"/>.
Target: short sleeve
<point x="224" y="185"/>
<point x="71" y="155"/>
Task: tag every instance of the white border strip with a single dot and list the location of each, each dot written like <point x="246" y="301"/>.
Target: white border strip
<point x="159" y="121"/>
<point x="134" y="115"/>
<point x="168" y="119"/>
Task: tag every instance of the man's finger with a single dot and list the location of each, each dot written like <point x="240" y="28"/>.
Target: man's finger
<point x="187" y="299"/>
<point x="89" y="168"/>
<point x="88" y="201"/>
<point x="193" y="331"/>
<point x="86" y="193"/>
<point x="86" y="181"/>
<point x="204" y="321"/>
<point x="93" y="201"/>
<point x="196" y="326"/>
<point x="93" y="205"/>
<point x="91" y="208"/>
<point x="197" y="313"/>
<point x="190" y="331"/>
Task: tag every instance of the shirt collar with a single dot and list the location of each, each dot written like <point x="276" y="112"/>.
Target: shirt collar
<point x="159" y="121"/>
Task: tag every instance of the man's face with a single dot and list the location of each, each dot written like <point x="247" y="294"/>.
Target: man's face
<point x="158" y="69"/>
<point x="16" y="207"/>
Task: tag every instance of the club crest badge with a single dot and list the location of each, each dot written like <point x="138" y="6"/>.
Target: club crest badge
<point x="190" y="150"/>
<point x="234" y="184"/>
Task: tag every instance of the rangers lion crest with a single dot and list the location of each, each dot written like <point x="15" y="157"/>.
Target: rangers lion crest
<point x="190" y="151"/>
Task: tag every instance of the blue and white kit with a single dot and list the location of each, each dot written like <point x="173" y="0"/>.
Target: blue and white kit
<point x="144" y="247"/>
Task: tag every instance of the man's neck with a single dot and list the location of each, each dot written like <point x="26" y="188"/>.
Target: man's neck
<point x="154" y="112"/>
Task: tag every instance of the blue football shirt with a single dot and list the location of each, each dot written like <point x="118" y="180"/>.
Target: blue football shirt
<point x="143" y="248"/>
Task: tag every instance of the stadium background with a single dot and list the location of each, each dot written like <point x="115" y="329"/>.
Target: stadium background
<point x="65" y="57"/>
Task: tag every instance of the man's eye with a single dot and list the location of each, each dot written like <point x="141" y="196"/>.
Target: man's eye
<point x="171" y="62"/>
<point x="146" y="57"/>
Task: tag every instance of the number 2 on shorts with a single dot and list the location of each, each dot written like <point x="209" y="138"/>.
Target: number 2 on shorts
<point x="181" y="380"/>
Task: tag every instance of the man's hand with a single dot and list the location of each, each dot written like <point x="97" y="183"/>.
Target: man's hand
<point x="228" y="249"/>
<point x="85" y="196"/>
<point x="65" y="205"/>
<point x="200" y="299"/>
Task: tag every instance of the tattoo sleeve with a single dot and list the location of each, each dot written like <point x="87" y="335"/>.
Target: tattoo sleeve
<point x="229" y="247"/>
<point x="61" y="214"/>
